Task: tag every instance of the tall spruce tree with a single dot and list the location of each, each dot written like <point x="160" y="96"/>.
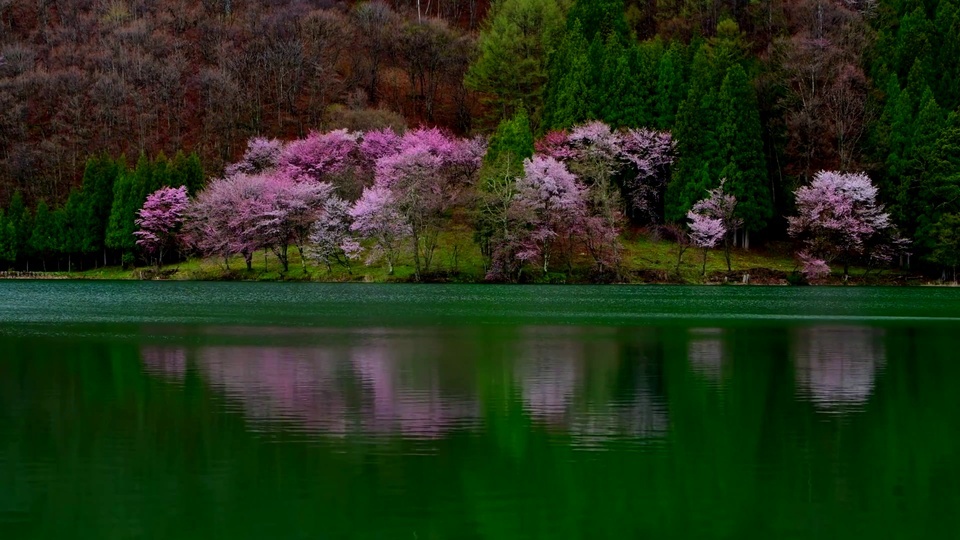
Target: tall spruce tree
<point x="741" y="147"/>
<point x="514" y="48"/>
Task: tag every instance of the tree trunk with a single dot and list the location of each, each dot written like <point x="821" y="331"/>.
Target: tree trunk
<point x="703" y="271"/>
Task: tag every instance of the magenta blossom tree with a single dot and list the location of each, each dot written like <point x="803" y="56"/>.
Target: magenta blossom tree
<point x="427" y="177"/>
<point x="549" y="210"/>
<point x="160" y="220"/>
<point x="224" y="219"/>
<point x="839" y="220"/>
<point x="377" y="220"/>
<point x="330" y="239"/>
<point x="649" y="155"/>
<point x="262" y="154"/>
<point x="291" y="209"/>
<point x="721" y="206"/>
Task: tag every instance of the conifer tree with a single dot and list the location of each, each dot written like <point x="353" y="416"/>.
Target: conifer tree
<point x="45" y="236"/>
<point x="514" y="48"/>
<point x="8" y="234"/>
<point x="670" y="87"/>
<point x="741" y="145"/>
<point x="20" y="218"/>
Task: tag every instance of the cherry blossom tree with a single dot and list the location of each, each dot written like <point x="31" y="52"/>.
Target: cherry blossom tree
<point x="289" y="214"/>
<point x="839" y="219"/>
<point x="324" y="157"/>
<point x="377" y="219"/>
<point x="160" y="220"/>
<point x="549" y="209"/>
<point x="705" y="232"/>
<point x="717" y="206"/>
<point x="262" y="154"/>
<point x="225" y="217"/>
<point x="649" y="155"/>
<point x="330" y="239"/>
<point x="427" y="177"/>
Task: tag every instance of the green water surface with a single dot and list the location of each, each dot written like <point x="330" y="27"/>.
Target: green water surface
<point x="247" y="410"/>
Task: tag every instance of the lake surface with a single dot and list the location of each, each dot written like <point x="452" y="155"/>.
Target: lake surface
<point x="249" y="410"/>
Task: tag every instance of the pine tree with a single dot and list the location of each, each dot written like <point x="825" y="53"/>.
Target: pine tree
<point x="699" y="163"/>
<point x="568" y="91"/>
<point x="45" y="236"/>
<point x="511" y="68"/>
<point x="99" y="177"/>
<point x="741" y="146"/>
<point x="603" y="18"/>
<point x="72" y="227"/>
<point x="120" y="226"/>
<point x="20" y="218"/>
<point x="670" y="87"/>
<point x="8" y="234"/>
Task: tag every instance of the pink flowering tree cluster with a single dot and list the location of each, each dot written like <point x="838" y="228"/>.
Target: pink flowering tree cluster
<point x="545" y="219"/>
<point x="712" y="220"/>
<point x="160" y="221"/>
<point x="336" y="194"/>
<point x="638" y="160"/>
<point x="623" y="171"/>
<point x="839" y="220"/>
<point x="262" y="154"/>
<point x="418" y="179"/>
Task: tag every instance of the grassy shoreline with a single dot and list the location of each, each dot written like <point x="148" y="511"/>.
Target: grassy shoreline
<point x="458" y="260"/>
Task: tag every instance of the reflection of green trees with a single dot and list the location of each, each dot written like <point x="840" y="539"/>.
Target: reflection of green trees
<point x="95" y="448"/>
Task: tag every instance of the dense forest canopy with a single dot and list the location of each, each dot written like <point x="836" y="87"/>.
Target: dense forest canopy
<point x="762" y="95"/>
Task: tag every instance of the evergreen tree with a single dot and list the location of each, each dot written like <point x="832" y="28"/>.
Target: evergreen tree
<point x="72" y="226"/>
<point x="568" y="94"/>
<point x="186" y="171"/>
<point x="513" y="140"/>
<point x="939" y="189"/>
<point x="514" y="48"/>
<point x="121" y="226"/>
<point x="603" y="18"/>
<point x="8" y="234"/>
<point x="741" y="145"/>
<point x="670" y="86"/>
<point x="45" y="236"/>
<point x="19" y="216"/>
<point x="99" y="177"/>
<point x="699" y="163"/>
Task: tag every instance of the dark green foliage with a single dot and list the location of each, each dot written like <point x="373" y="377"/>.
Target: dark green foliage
<point x="598" y="17"/>
<point x="20" y="218"/>
<point x="670" y="86"/>
<point x="699" y="164"/>
<point x="946" y="238"/>
<point x="514" y="48"/>
<point x="741" y="147"/>
<point x="120" y="226"/>
<point x="513" y="140"/>
<point x="186" y="170"/>
<point x="569" y="99"/>
<point x="98" y="179"/>
<point x="8" y="234"/>
<point x="46" y="231"/>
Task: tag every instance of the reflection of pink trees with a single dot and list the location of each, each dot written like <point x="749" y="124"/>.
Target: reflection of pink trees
<point x="553" y="380"/>
<point x="169" y="362"/>
<point x="836" y="366"/>
<point x="705" y="352"/>
<point x="405" y="399"/>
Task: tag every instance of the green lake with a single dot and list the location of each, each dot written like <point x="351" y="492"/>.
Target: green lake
<point x="309" y="411"/>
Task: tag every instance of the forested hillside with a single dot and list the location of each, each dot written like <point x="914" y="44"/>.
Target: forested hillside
<point x="761" y="95"/>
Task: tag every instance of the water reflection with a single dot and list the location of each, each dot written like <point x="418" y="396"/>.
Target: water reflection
<point x="705" y="352"/>
<point x="837" y="365"/>
<point x="170" y="362"/>
<point x="424" y="386"/>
